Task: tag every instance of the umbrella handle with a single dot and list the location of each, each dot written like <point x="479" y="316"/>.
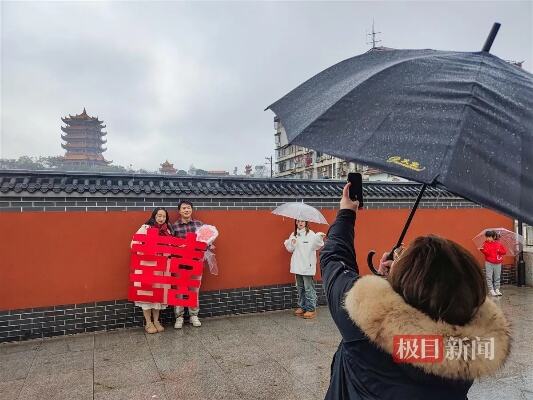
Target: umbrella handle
<point x="371" y="263"/>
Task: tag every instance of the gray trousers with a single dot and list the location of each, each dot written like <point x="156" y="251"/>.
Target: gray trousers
<point x="493" y="273"/>
<point x="192" y="311"/>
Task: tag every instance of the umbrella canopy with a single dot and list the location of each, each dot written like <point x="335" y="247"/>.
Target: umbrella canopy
<point x="459" y="120"/>
<point x="512" y="241"/>
<point x="300" y="211"/>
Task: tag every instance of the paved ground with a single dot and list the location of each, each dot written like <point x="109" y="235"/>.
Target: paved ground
<point x="259" y="356"/>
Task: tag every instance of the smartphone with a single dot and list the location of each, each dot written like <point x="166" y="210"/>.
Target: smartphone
<point x="356" y="187"/>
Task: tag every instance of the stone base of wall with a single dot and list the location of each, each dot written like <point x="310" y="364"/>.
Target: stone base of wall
<point x="508" y="274"/>
<point x="32" y="323"/>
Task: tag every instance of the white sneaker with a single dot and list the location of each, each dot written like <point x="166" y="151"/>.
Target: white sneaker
<point x="179" y="323"/>
<point x="498" y="293"/>
<point x="492" y="292"/>
<point x="195" y="321"/>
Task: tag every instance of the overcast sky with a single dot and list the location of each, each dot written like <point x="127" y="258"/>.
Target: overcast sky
<point x="188" y="81"/>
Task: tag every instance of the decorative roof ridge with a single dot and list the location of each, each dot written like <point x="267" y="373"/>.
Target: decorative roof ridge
<point x="90" y="174"/>
<point x="81" y="117"/>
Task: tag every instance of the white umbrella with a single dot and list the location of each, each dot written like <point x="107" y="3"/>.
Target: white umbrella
<point x="511" y="240"/>
<point x="300" y="211"/>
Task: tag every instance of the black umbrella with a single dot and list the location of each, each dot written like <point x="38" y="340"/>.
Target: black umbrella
<point x="458" y="120"/>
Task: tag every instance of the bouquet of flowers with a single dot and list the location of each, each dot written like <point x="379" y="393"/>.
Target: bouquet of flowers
<point x="208" y="234"/>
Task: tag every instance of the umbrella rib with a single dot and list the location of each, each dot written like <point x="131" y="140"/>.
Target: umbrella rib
<point x="450" y="152"/>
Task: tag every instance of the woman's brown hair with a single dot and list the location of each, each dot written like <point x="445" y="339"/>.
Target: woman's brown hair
<point x="441" y="279"/>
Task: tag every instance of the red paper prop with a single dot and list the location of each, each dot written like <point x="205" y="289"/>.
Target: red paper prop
<point x="166" y="269"/>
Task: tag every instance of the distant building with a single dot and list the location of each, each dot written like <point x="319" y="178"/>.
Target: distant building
<point x="167" y="168"/>
<point x="193" y="171"/>
<point x="376" y="175"/>
<point x="84" y="137"/>
<point x="217" y="173"/>
<point x="298" y="162"/>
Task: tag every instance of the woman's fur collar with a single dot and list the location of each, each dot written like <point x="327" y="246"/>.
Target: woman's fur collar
<point x="381" y="313"/>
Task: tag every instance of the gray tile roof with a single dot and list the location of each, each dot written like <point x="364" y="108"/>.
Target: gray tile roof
<point x="51" y="183"/>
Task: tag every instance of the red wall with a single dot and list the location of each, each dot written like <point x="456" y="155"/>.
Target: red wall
<point x="78" y="257"/>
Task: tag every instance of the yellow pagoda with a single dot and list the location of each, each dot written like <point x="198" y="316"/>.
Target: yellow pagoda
<point x="84" y="137"/>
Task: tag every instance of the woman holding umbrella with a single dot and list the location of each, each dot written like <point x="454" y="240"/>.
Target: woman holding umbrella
<point x="434" y="290"/>
<point x="303" y="244"/>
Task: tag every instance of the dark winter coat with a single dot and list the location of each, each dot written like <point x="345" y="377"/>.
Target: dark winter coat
<point x="368" y="313"/>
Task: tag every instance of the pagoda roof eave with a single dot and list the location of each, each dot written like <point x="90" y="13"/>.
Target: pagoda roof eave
<point x="83" y="149"/>
<point x="81" y="117"/>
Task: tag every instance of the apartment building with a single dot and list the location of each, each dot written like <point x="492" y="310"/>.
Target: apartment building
<point x="297" y="162"/>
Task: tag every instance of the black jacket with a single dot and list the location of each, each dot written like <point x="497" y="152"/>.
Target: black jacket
<point x="368" y="313"/>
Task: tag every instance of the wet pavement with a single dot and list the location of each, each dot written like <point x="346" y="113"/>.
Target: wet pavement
<point x="257" y="356"/>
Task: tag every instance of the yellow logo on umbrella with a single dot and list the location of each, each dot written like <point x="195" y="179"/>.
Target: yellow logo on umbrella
<point x="406" y="163"/>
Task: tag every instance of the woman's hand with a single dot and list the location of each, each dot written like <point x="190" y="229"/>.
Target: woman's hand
<point x="293" y="242"/>
<point x="385" y="264"/>
<point x="321" y="234"/>
<point x="398" y="251"/>
<point x="347" y="203"/>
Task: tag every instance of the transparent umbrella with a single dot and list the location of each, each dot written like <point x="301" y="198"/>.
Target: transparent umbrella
<point x="300" y="211"/>
<point x="512" y="241"/>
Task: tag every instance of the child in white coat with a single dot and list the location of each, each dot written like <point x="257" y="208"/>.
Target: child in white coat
<point x="303" y="244"/>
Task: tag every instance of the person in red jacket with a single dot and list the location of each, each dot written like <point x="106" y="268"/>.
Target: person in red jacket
<point x="493" y="251"/>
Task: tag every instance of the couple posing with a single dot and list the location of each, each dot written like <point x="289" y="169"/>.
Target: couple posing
<point x="185" y="224"/>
